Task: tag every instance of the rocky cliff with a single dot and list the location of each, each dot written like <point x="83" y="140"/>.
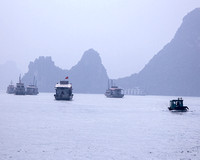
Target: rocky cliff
<point x="88" y="76"/>
<point x="175" y="70"/>
<point x="45" y="72"/>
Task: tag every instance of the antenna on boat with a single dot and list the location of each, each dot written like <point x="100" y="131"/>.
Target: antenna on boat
<point x="20" y="78"/>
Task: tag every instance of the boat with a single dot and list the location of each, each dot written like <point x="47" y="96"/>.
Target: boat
<point x="32" y="89"/>
<point x="113" y="91"/>
<point x="177" y="105"/>
<point x="10" y="88"/>
<point x="63" y="90"/>
<point x="20" y="89"/>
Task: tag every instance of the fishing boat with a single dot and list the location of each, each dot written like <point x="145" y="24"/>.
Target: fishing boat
<point x="32" y="89"/>
<point x="10" y="88"/>
<point x="63" y="90"/>
<point x="113" y="91"/>
<point x="20" y="89"/>
<point x="177" y="105"/>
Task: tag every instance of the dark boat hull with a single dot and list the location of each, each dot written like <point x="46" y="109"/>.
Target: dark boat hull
<point x="114" y="96"/>
<point x="184" y="108"/>
<point x="19" y="93"/>
<point x="67" y="98"/>
<point x="32" y="93"/>
<point x="10" y="92"/>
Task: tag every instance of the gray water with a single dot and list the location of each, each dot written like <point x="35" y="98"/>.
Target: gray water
<point x="93" y="127"/>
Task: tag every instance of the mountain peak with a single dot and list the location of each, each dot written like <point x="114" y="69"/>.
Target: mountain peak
<point x="189" y="29"/>
<point x="193" y="15"/>
<point x="90" y="72"/>
<point x="90" y="57"/>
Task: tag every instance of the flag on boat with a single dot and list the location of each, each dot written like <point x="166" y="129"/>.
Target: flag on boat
<point x="66" y="77"/>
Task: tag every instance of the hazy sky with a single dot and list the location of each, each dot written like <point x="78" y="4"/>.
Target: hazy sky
<point x="126" y="33"/>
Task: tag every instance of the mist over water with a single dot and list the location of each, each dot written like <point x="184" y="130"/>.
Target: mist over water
<point x="96" y="127"/>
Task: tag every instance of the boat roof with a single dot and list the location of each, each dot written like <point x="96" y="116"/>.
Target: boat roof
<point x="31" y="86"/>
<point x="64" y="82"/>
<point x="179" y="99"/>
<point x="58" y="85"/>
<point x="19" y="84"/>
<point x="115" y="88"/>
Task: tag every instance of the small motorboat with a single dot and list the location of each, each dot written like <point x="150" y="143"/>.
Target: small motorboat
<point x="177" y="105"/>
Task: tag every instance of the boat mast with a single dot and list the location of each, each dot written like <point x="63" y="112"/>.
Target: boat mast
<point x="20" y="78"/>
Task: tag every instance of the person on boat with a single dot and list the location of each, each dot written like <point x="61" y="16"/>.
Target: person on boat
<point x="178" y="104"/>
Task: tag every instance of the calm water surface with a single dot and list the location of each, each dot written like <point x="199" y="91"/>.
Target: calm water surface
<point x="93" y="127"/>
